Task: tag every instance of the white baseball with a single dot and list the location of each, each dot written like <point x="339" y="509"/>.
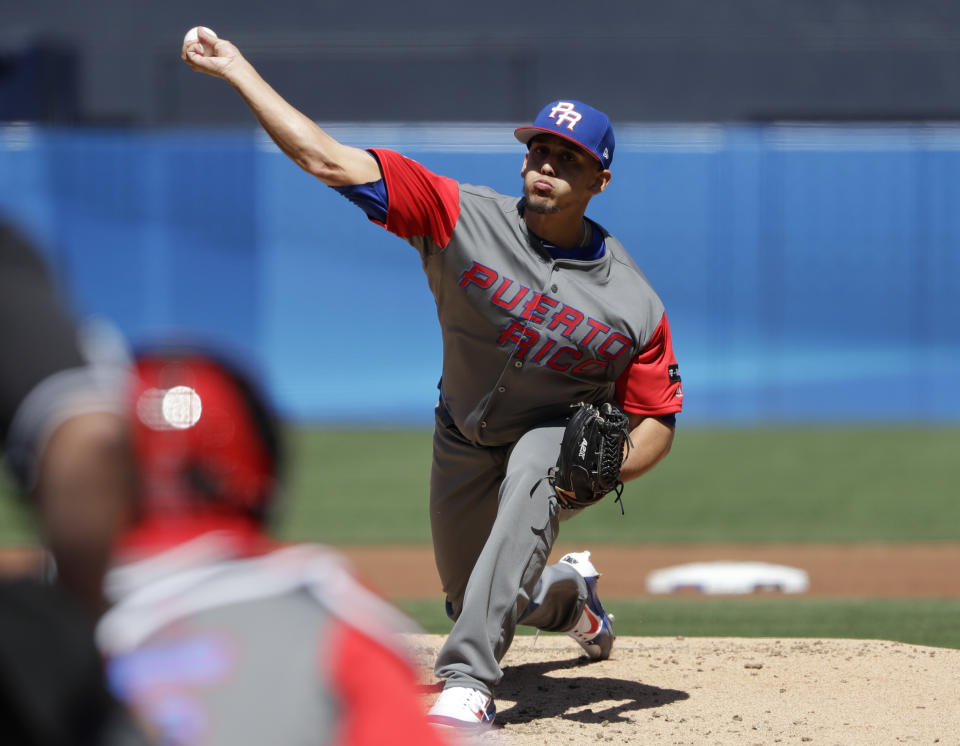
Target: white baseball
<point x="193" y="35"/>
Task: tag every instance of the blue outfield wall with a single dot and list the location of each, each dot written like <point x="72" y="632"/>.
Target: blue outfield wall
<point x="811" y="273"/>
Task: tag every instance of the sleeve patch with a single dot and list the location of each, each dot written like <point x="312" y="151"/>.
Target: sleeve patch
<point x="651" y="384"/>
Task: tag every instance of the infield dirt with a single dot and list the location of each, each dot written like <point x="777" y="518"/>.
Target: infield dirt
<point x="721" y="691"/>
<point x="705" y="691"/>
<point x="848" y="570"/>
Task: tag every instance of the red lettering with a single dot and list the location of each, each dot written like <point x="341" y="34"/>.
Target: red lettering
<point x="479" y="275"/>
<point x="508" y="305"/>
<point x="522" y="337"/>
<point x="549" y="345"/>
<point x="574" y="353"/>
<point x="590" y="366"/>
<point x="567" y="317"/>
<point x="535" y="309"/>
<point x="596" y="326"/>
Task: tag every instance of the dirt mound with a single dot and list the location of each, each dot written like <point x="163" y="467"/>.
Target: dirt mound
<point x="700" y="691"/>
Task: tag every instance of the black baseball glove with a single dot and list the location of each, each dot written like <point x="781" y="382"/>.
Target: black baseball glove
<point x="594" y="447"/>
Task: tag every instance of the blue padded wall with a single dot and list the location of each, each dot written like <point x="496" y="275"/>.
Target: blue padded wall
<point x="811" y="273"/>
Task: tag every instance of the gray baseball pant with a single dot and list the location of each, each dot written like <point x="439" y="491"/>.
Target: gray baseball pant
<point x="491" y="541"/>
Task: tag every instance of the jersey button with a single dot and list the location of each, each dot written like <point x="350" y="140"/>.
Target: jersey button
<point x="501" y="389"/>
<point x="518" y="364"/>
<point x="483" y="424"/>
<point x="553" y="288"/>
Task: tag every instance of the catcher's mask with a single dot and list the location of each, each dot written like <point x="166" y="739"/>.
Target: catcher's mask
<point x="205" y="440"/>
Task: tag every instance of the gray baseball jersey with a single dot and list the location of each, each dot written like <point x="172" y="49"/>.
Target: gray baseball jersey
<point x="528" y="330"/>
<point x="526" y="334"/>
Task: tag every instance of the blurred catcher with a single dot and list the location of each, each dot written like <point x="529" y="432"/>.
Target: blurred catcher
<point x="219" y="635"/>
<point x="64" y="438"/>
<point x="62" y="425"/>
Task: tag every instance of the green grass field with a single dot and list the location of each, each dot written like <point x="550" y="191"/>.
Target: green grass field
<point x="916" y="621"/>
<point x="749" y="485"/>
<point x="843" y="484"/>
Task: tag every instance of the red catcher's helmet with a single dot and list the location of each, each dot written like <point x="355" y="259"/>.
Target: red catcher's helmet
<point x="206" y="442"/>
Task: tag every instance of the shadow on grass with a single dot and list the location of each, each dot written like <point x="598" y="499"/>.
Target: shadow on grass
<point x="538" y="695"/>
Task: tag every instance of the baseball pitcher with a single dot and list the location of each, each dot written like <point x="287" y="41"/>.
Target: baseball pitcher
<point x="543" y="315"/>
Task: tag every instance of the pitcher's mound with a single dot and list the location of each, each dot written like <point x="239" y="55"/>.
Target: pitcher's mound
<point x="698" y="691"/>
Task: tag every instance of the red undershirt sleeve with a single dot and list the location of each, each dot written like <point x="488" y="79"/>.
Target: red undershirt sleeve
<point x="420" y="202"/>
<point x="378" y="694"/>
<point x="651" y="384"/>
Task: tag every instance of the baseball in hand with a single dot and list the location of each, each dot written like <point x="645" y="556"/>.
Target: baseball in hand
<point x="193" y="36"/>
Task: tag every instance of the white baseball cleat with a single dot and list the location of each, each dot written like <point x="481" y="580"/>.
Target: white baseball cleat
<point x="594" y="630"/>
<point x="463" y="708"/>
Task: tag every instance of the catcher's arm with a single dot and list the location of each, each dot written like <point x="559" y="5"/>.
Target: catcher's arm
<point x="652" y="438"/>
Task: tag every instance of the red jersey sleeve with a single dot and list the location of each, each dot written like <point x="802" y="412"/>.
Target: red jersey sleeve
<point x="378" y="693"/>
<point x="651" y="383"/>
<point x="419" y="202"/>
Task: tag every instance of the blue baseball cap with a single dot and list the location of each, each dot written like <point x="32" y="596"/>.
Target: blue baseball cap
<point x="577" y="122"/>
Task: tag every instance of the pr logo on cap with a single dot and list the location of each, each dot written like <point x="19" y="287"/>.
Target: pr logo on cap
<point x="577" y="122"/>
<point x="565" y="111"/>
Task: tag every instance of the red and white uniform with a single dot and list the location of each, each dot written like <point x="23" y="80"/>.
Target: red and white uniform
<point x="224" y="639"/>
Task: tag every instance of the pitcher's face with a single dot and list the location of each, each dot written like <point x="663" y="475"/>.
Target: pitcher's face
<point x="558" y="175"/>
